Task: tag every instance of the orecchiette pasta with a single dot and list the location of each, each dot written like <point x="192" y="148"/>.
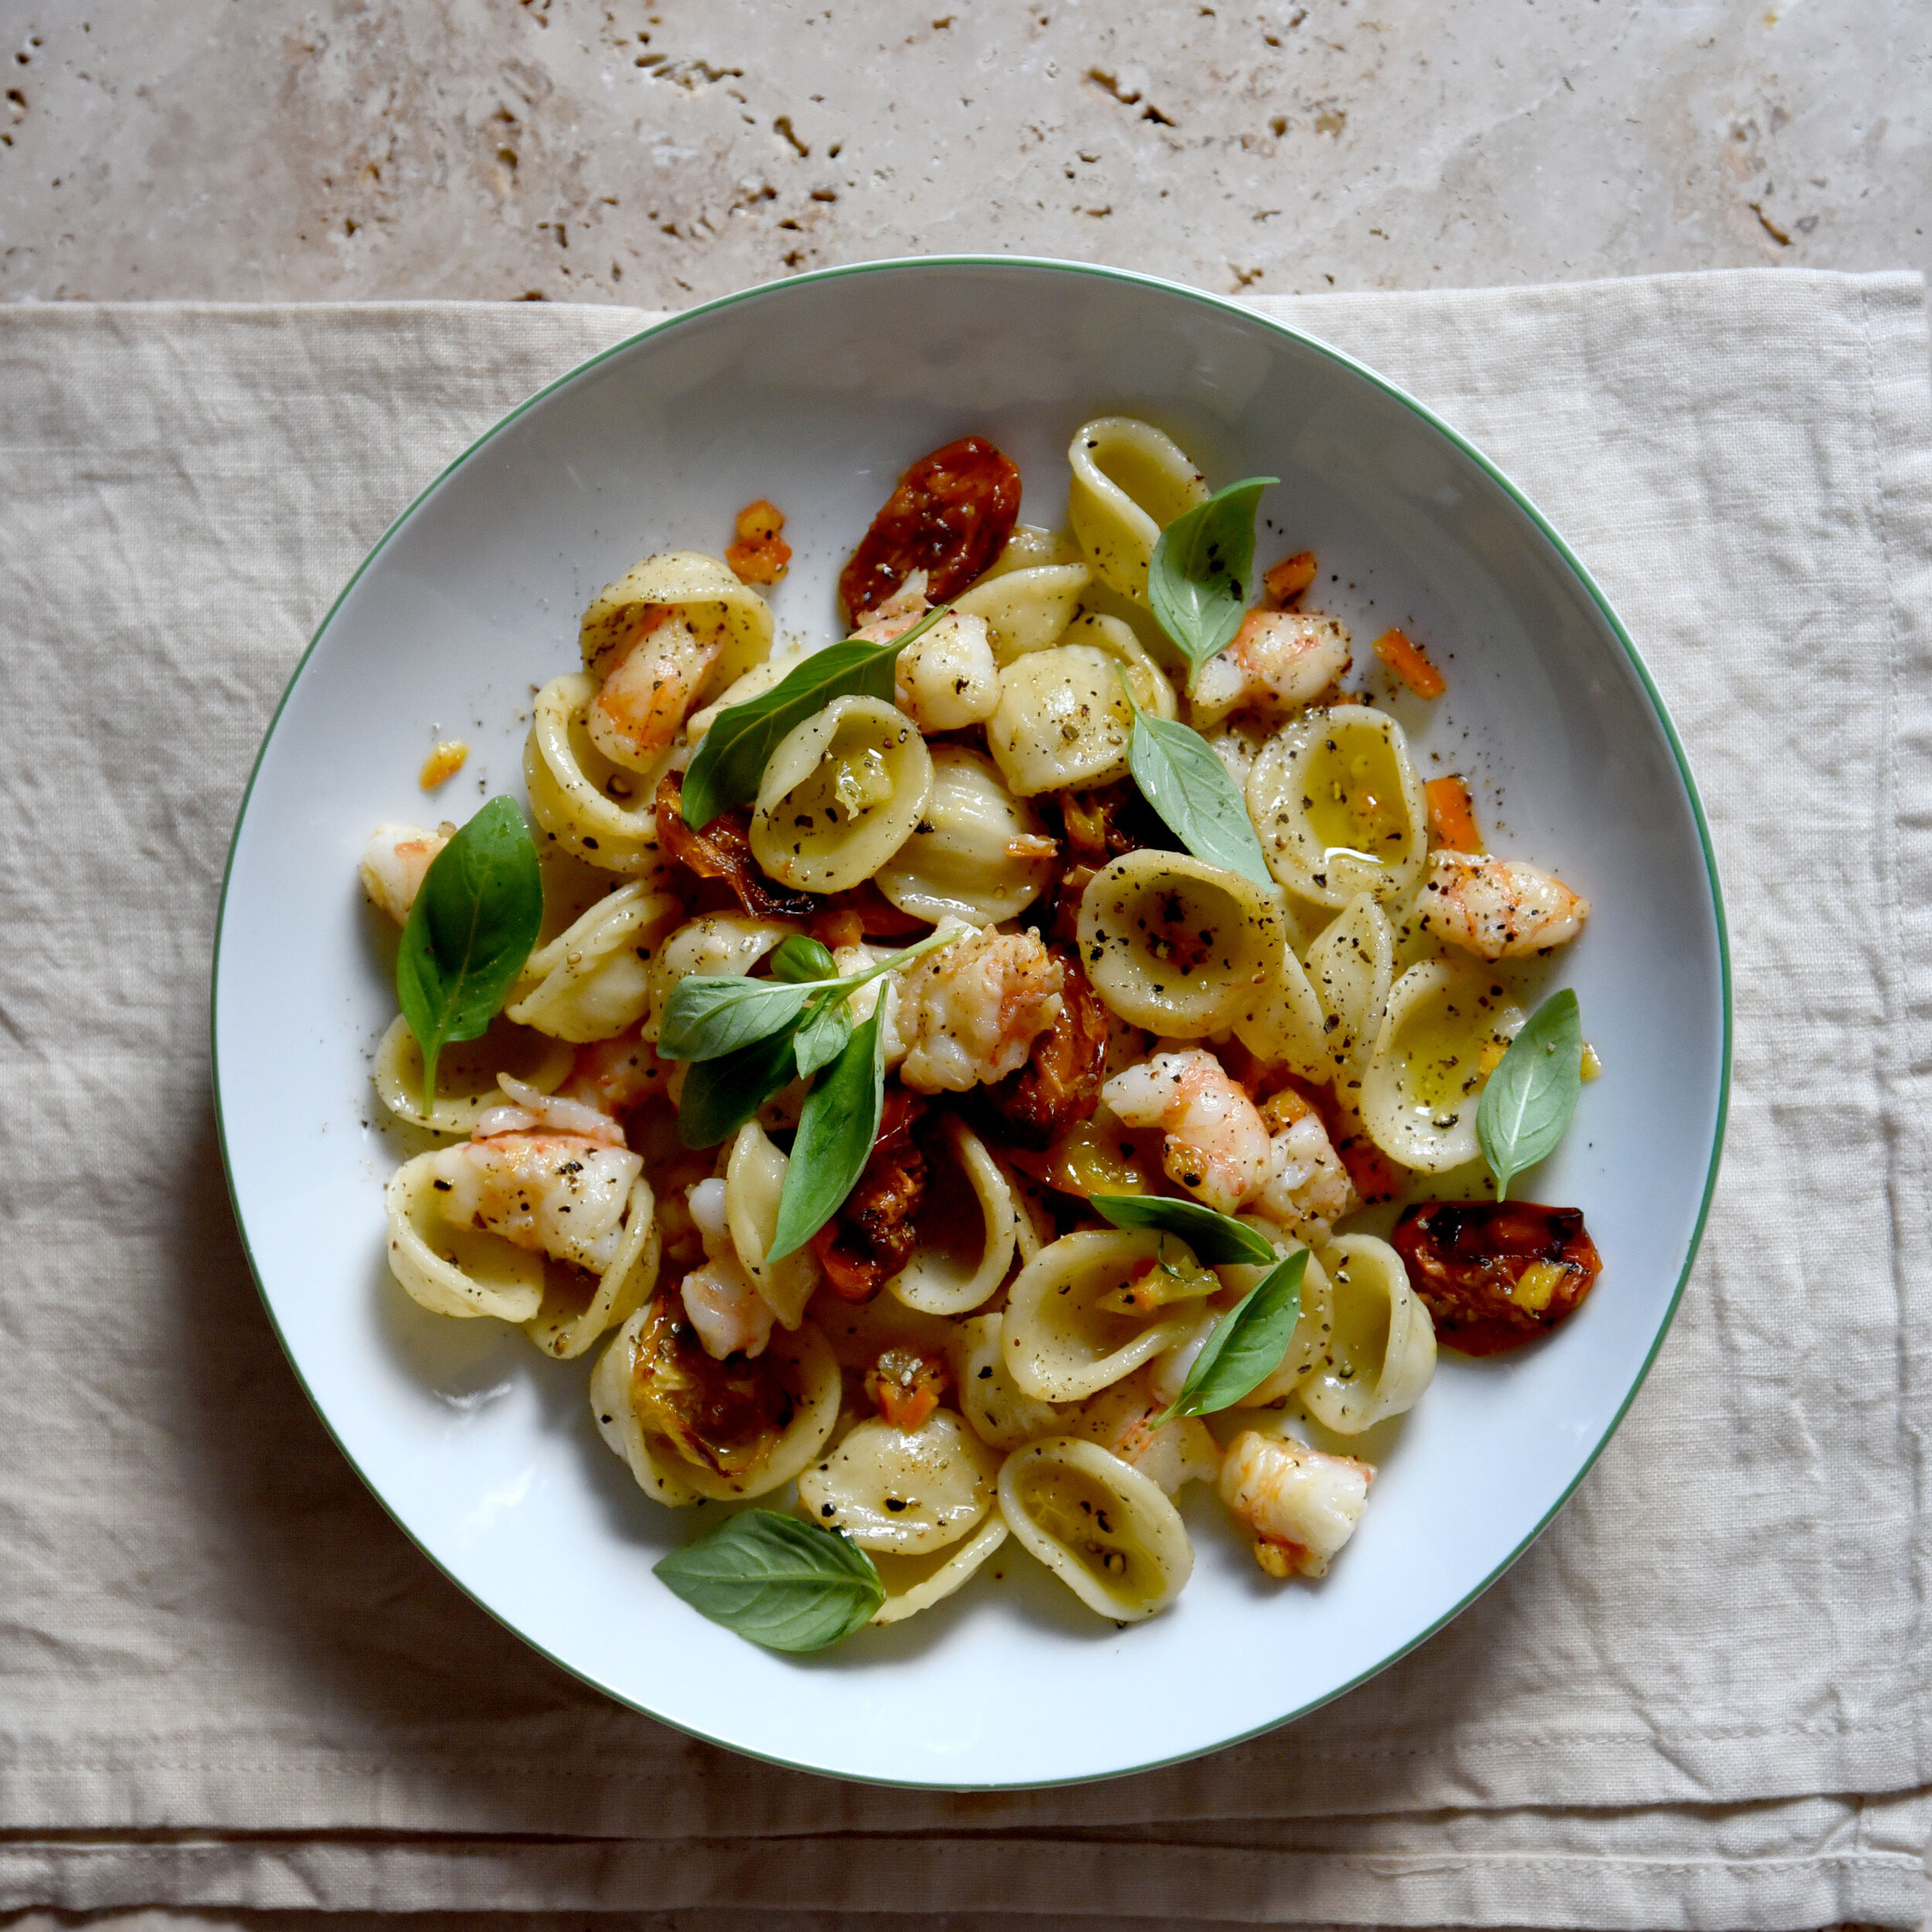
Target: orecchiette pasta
<point x="965" y="1231"/>
<point x="718" y="945"/>
<point x="1103" y="1528"/>
<point x="703" y="590"/>
<point x="1062" y="720"/>
<point x="1350" y="965"/>
<point x="1383" y="1352"/>
<point x="598" y="810"/>
<point x="841" y="794"/>
<point x="1130" y="482"/>
<point x="1175" y="945"/>
<point x="754" y="1179"/>
<point x="1443" y="1029"/>
<point x="1065" y="1336"/>
<point x="1026" y="608"/>
<point x="594" y="981"/>
<point x="1339" y="808"/>
<point x="466" y="1073"/>
<point x="913" y="1583"/>
<point x="1285" y="1025"/>
<point x="905" y="1490"/>
<point x="977" y="853"/>
<point x="1000" y="1412"/>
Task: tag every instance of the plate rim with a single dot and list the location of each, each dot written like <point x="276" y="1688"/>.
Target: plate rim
<point x="680" y="318"/>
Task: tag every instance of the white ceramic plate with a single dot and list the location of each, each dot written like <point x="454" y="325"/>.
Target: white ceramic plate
<point x="816" y="393"/>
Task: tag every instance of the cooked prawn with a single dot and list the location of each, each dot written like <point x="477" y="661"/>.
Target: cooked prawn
<point x="613" y="1075"/>
<point x="1498" y="908"/>
<point x="532" y="1175"/>
<point x="898" y="613"/>
<point x="394" y="863"/>
<point x="1121" y="1419"/>
<point x="1279" y="660"/>
<point x="969" y="1013"/>
<point x="1308" y="1186"/>
<point x="650" y="686"/>
<point x="730" y="1316"/>
<point x="1217" y="1146"/>
<point x="1301" y="1505"/>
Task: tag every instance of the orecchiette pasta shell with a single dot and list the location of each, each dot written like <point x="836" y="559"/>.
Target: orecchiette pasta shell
<point x="717" y="945"/>
<point x="1130" y="482"/>
<point x="997" y="1408"/>
<point x="1350" y="965"/>
<point x="1285" y="1026"/>
<point x="977" y="853"/>
<point x="1063" y="720"/>
<point x="567" y="1324"/>
<point x="1340" y="810"/>
<point x="1175" y="945"/>
<point x="964" y="1229"/>
<point x="705" y="589"/>
<point x="1383" y="1353"/>
<point x="908" y="1490"/>
<point x="840" y="795"/>
<point x="466" y="1072"/>
<point x="597" y="810"/>
<point x="1103" y="1528"/>
<point x="913" y="1583"/>
<point x="594" y="980"/>
<point x="450" y="1270"/>
<point x="1025" y="610"/>
<point x="1029" y="547"/>
<point x="1152" y="690"/>
<point x="858" y="1333"/>
<point x="754" y="1179"/>
<point x="1424" y="1081"/>
<point x="664" y="1472"/>
<point x="1061" y="1344"/>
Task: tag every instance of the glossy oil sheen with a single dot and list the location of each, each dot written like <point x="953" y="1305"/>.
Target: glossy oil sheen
<point x="817" y="392"/>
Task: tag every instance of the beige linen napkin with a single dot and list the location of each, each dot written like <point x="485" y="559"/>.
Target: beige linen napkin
<point x="229" y="1683"/>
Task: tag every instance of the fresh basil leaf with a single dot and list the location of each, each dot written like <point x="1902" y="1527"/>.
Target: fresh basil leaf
<point x="822" y="1035"/>
<point x="798" y="958"/>
<point x="1217" y="1240"/>
<point x="719" y="1095"/>
<point x="475" y="917"/>
<point x="731" y="756"/>
<point x="1247" y="1346"/>
<point x="706" y="1018"/>
<point x="1180" y="777"/>
<point x="1198" y="583"/>
<point x="784" y="1583"/>
<point x="1526" y="1107"/>
<point x="836" y="1127"/>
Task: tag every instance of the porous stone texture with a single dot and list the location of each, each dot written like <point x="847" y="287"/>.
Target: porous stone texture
<point x="262" y="149"/>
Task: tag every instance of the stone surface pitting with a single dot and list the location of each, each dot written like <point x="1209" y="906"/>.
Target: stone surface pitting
<point x="658" y="155"/>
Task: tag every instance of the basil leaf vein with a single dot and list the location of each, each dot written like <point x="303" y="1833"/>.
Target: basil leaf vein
<point x="1179" y="775"/>
<point x="473" y="921"/>
<point x="836" y="1127"/>
<point x="1198" y="583"/>
<point x="731" y="756"/>
<point x="784" y="1583"/>
<point x="1217" y="1240"/>
<point x="1247" y="1344"/>
<point x="1526" y="1108"/>
<point x="821" y="1036"/>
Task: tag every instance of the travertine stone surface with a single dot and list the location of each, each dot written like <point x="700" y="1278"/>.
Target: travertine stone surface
<point x="658" y="154"/>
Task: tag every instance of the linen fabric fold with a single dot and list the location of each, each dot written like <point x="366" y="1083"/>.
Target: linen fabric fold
<point x="213" y="1633"/>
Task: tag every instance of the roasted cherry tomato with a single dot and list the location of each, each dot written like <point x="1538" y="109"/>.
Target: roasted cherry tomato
<point x="725" y="1415"/>
<point x="950" y="517"/>
<point x="1496" y="1273"/>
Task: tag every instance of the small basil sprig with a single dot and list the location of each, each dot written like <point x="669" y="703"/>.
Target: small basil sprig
<point x="1198" y="583"/>
<point x="784" y="1583"/>
<point x="475" y="917"/>
<point x="1526" y="1107"/>
<point x="731" y="756"/>
<point x="1247" y="1344"/>
<point x="1216" y="1239"/>
<point x="837" y="1126"/>
<point x="1179" y="775"/>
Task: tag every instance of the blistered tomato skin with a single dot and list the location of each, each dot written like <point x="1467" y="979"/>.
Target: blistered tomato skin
<point x="1496" y="1274"/>
<point x="950" y="517"/>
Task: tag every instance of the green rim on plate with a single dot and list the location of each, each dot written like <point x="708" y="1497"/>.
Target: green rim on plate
<point x="900" y="265"/>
